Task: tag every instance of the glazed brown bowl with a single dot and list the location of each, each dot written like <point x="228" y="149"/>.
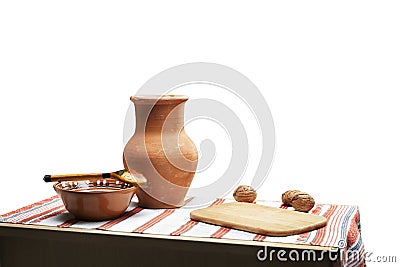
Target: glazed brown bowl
<point x="95" y="199"/>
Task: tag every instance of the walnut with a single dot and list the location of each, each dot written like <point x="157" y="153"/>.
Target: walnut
<point x="288" y="196"/>
<point x="300" y="201"/>
<point x="303" y="202"/>
<point x="245" y="193"/>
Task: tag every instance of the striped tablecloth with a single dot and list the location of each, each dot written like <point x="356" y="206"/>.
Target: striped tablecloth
<point x="342" y="230"/>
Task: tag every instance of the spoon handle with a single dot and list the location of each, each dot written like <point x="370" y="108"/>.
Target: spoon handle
<point x="135" y="179"/>
<point x="74" y="177"/>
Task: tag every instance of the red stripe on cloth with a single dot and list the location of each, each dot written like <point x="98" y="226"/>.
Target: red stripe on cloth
<point x="134" y="211"/>
<point x="353" y="232"/>
<point x="39" y="203"/>
<point x="39" y="214"/>
<point x="68" y="223"/>
<point x="120" y="219"/>
<point x="184" y="228"/>
<point x="317" y="209"/>
<point x="335" y="225"/>
<point x="357" y="216"/>
<point x="356" y="260"/>
<point x="191" y="223"/>
<point x="304" y="236"/>
<point x="49" y="215"/>
<point x="321" y="232"/>
<point x="259" y="237"/>
<point x="221" y="232"/>
<point x="34" y="212"/>
<point x="154" y="221"/>
<point x="217" y="202"/>
<point x="187" y="201"/>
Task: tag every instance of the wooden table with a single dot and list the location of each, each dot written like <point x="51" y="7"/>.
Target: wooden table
<point x="33" y="245"/>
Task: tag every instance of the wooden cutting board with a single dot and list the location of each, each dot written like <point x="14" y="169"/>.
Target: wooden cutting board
<point x="259" y="219"/>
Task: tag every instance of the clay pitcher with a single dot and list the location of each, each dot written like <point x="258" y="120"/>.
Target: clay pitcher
<point x="161" y="150"/>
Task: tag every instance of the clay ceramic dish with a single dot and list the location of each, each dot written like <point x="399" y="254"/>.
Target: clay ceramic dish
<point x="95" y="199"/>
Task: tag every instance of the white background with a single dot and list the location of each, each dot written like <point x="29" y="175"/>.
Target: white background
<point x="328" y="71"/>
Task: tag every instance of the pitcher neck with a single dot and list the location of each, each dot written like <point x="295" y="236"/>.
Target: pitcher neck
<point x="166" y="115"/>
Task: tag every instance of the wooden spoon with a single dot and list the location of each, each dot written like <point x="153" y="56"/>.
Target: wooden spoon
<point x="133" y="178"/>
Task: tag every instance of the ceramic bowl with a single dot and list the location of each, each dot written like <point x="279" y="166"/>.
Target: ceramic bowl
<point x="96" y="199"/>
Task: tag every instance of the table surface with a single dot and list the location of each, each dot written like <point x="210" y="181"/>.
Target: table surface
<point x="48" y="219"/>
<point x="10" y="229"/>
